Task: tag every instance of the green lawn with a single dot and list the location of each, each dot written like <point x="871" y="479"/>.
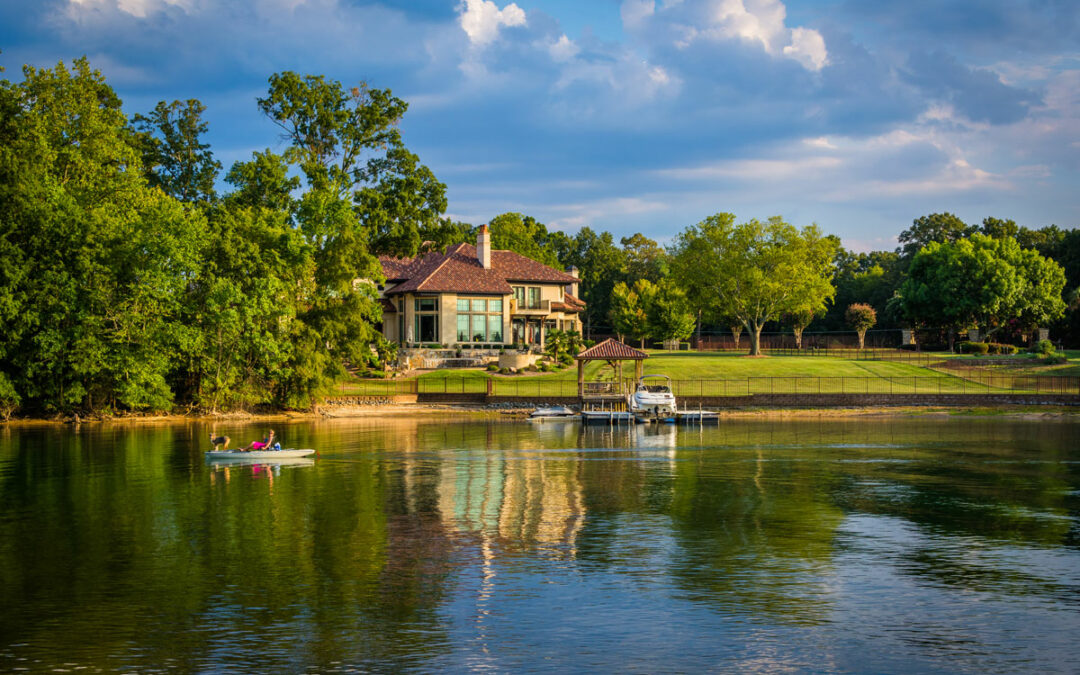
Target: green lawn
<point x="711" y="373"/>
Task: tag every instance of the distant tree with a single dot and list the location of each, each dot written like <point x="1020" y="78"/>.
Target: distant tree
<point x="869" y="278"/>
<point x="668" y="314"/>
<point x="861" y="317"/>
<point x="602" y="265"/>
<point x="758" y="271"/>
<point x="936" y="227"/>
<point x="981" y="282"/>
<point x="343" y="141"/>
<point x="263" y="182"/>
<point x="995" y="228"/>
<point x="95" y="262"/>
<point x="174" y="157"/>
<point x="645" y="259"/>
<point x="401" y="204"/>
<point x="524" y="235"/>
<point x="629" y="315"/>
<point x="799" y="319"/>
<point x="445" y="232"/>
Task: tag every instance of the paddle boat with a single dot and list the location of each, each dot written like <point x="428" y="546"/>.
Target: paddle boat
<point x="287" y="453"/>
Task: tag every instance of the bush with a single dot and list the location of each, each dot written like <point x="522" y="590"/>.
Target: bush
<point x="504" y="371"/>
<point x="1055" y="359"/>
<point x="1001" y="348"/>
<point x="974" y="347"/>
<point x="493" y="367"/>
<point x="1044" y="348"/>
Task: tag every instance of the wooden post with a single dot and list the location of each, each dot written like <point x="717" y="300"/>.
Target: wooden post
<point x="581" y="378"/>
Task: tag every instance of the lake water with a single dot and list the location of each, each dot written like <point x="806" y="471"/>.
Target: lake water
<point x="862" y="545"/>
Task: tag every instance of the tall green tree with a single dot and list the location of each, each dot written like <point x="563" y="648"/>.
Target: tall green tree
<point x="669" y="314"/>
<point x="937" y="227"/>
<point x="981" y="282"/>
<point x="103" y="259"/>
<point x="524" y="235"/>
<point x="629" y="310"/>
<point x="343" y="142"/>
<point x="758" y="271"/>
<point x="645" y="259"/>
<point x="174" y="156"/>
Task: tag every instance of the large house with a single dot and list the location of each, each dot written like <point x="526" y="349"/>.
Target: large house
<point x="473" y="296"/>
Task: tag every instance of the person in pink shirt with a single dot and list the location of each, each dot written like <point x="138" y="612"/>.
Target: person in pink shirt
<point x="265" y="444"/>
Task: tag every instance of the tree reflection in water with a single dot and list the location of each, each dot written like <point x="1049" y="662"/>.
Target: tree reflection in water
<point x="121" y="548"/>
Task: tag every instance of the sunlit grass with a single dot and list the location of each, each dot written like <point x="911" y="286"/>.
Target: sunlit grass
<point x="727" y="374"/>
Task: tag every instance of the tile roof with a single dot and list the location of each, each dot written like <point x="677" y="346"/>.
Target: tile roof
<point x="611" y="350"/>
<point x="570" y="304"/>
<point x="459" y="271"/>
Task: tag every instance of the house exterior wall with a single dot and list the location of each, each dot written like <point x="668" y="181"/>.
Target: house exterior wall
<point x="446" y="304"/>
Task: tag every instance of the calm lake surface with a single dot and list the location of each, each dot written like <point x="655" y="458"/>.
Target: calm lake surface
<point x="865" y="545"/>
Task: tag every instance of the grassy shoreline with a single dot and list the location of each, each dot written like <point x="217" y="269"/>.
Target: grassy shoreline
<point x="1047" y="412"/>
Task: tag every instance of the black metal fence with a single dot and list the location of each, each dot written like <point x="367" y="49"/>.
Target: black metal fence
<point x="959" y="381"/>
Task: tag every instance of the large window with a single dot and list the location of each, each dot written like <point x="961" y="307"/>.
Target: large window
<point x="527" y="297"/>
<point x="479" y="320"/>
<point x="426" y="320"/>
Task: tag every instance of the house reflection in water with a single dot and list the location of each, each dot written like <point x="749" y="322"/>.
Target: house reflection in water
<point x="519" y="499"/>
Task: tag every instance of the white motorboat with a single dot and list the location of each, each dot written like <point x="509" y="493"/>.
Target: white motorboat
<point x="653" y="399"/>
<point x="288" y="453"/>
<point x="552" y="414"/>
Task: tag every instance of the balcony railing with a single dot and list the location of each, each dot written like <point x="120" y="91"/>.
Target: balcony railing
<point x="526" y="307"/>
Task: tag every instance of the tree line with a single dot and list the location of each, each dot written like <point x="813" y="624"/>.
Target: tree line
<point x="129" y="282"/>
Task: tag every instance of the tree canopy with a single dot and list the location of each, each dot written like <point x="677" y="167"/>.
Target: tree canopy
<point x="756" y="271"/>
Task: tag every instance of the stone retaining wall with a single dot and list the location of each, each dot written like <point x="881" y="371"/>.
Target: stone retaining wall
<point x="370" y="400"/>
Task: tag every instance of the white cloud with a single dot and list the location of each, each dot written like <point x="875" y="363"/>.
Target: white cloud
<point x="634" y="12"/>
<point x="808" y="48"/>
<point x="759" y="22"/>
<point x="481" y="19"/>
<point x="563" y="49"/>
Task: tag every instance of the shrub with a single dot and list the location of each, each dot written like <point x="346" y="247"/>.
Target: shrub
<point x="1055" y="359"/>
<point x="974" y="347"/>
<point x="493" y="367"/>
<point x="1044" y="348"/>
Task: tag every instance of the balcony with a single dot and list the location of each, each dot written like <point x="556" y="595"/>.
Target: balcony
<point x="542" y="308"/>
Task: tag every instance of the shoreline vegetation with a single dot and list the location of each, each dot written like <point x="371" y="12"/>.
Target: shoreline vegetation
<point x="500" y="412"/>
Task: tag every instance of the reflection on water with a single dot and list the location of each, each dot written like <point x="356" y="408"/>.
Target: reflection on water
<point x="898" y="545"/>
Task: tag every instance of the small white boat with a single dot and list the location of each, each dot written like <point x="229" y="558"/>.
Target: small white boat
<point x="289" y="453"/>
<point x="552" y="413"/>
<point x="653" y="399"/>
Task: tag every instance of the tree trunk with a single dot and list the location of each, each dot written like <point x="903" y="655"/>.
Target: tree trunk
<point x="862" y="337"/>
<point x="798" y="337"/>
<point x="698" y="343"/>
<point x="754" y="331"/>
<point x="952" y="339"/>
<point x="736" y="332"/>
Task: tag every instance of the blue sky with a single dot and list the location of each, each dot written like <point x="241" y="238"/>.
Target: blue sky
<point x="641" y="115"/>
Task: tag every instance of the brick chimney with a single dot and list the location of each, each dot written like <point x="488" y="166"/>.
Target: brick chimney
<point x="573" y="271"/>
<point x="483" y="247"/>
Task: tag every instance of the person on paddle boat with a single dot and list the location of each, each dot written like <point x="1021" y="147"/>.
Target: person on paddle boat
<point x="216" y="441"/>
<point x="266" y="443"/>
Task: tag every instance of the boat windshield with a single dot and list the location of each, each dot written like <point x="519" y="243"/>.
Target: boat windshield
<point x="655" y="388"/>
